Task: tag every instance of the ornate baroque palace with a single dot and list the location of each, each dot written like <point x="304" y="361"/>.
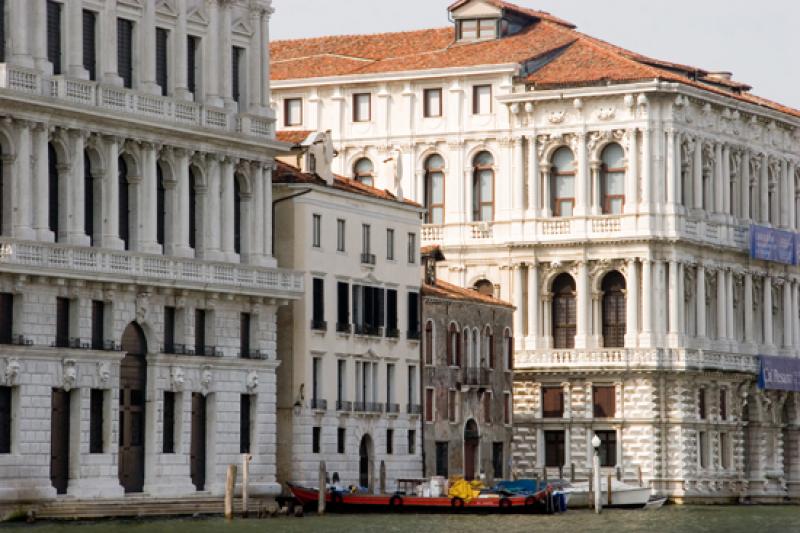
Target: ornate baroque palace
<point x="611" y="197"/>
<point x="138" y="291"/>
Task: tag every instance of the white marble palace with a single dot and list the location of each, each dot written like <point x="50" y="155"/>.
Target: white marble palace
<point x="138" y="290"/>
<point x="610" y="197"/>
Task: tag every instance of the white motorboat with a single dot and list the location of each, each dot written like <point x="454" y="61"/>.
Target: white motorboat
<point x="622" y="495"/>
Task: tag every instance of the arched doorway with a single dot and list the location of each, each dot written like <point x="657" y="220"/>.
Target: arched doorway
<point x="365" y="462"/>
<point x="132" y="386"/>
<point x="471" y="446"/>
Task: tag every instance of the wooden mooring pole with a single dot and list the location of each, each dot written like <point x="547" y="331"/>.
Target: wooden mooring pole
<point x="246" y="458"/>
<point x="383" y="477"/>
<point x="230" y="482"/>
<point x="322" y="489"/>
<point x="609" y="490"/>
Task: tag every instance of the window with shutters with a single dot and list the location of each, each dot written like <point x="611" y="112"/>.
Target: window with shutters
<point x="169" y="329"/>
<point x="192" y="209"/>
<point x="554" y="448"/>
<point x="98" y="324"/>
<point x="90" y="43"/>
<point x="341" y="382"/>
<point x="316" y="231"/>
<point x="318" y="304"/>
<point x="200" y="331"/>
<point x="341" y="438"/>
<point x="162" y="62"/>
<point x="442" y="460"/>
<point x="343" y="307"/>
<point x="481" y="99"/>
<point x="316" y="382"/>
<point x="453" y="346"/>
<point x="391" y="313"/>
<point x="161" y="205"/>
<point x="488" y="339"/>
<point x="564" y="312"/>
<point x="168" y="429"/>
<point x="237" y="73"/>
<point x="434" y="189"/>
<point x="5" y="419"/>
<point x="125" y="51"/>
<point x="96" y="403"/>
<point x="192" y="63"/>
<point x="412" y="248"/>
<point x="54" y="36"/>
<point x="614" y="311"/>
<point x="724" y="451"/>
<point x="497" y="459"/>
<point x="316" y="433"/>
<point x="413" y="406"/>
<point x="612" y="180"/>
<point x="238" y="199"/>
<point x="366" y="243"/>
<point x="552" y="402"/>
<point x="507" y="408"/>
<point x="723" y="404"/>
<point x="432" y="102"/>
<point x="413" y="315"/>
<point x="452" y="405"/>
<point x="245" y="422"/>
<point x="124" y="204"/>
<point x="341" y="236"/>
<point x="429" y="342"/>
<point x="362" y="107"/>
<point x="604" y="401"/>
<point x="411" y="437"/>
<point x="701" y="403"/>
<point x="6" y="318"/>
<point x="487" y="407"/>
<point x="390" y="244"/>
<point x="562" y="176"/>
<point x="429" y="404"/>
<point x="52" y="182"/>
<point x="88" y="198"/>
<point x="702" y="449"/>
<point x="483" y="187"/>
<point x="608" y="448"/>
<point x="389" y="441"/>
<point x="293" y="112"/>
<point x="62" y="322"/>
<point x="244" y="335"/>
<point x="368" y="309"/>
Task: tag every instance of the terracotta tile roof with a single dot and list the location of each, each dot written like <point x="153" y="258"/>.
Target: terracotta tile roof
<point x="442" y="289"/>
<point x="286" y="173"/>
<point x="292" y="136"/>
<point x="557" y="55"/>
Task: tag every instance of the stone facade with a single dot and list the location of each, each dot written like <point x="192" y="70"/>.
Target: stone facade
<point x="132" y="205"/>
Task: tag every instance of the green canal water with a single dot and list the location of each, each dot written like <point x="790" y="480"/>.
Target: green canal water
<point x="745" y="519"/>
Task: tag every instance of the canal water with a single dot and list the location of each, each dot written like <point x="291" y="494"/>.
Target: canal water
<point x="745" y="519"/>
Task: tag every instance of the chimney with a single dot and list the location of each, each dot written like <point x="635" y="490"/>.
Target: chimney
<point x="394" y="170"/>
<point x="319" y="155"/>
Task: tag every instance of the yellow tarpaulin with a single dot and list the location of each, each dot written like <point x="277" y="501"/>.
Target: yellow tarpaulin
<point x="465" y="490"/>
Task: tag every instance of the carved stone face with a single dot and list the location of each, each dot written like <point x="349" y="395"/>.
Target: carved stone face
<point x="252" y="381"/>
<point x="177" y="378"/>
<point x="13" y="369"/>
<point x="70" y="374"/>
<point x="104" y="371"/>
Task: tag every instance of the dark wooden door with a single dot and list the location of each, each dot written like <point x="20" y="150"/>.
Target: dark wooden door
<point x="614" y="310"/>
<point x="133" y="381"/>
<point x="564" y="312"/>
<point x="59" y="440"/>
<point x="364" y="462"/>
<point x="197" y="459"/>
<point x="471" y="442"/>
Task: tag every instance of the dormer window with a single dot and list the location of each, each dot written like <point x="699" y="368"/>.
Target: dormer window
<point x="477" y="29"/>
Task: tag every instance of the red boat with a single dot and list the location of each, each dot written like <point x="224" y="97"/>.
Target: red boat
<point x="540" y="502"/>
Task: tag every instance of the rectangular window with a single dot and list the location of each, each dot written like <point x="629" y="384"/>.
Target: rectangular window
<point x="5" y="419"/>
<point x="341" y="435"/>
<point x="237" y="69"/>
<point x="244" y="335"/>
<point x="96" y="420"/>
<point x="342" y="306"/>
<point x="125" y="51"/>
<point x="554" y="448"/>
<point x="432" y="102"/>
<point x="702" y="449"/>
<point x="54" y="36"/>
<point x="604" y="400"/>
<point x="412" y="248"/>
<point x="413" y="315"/>
<point x="98" y="321"/>
<point x="315" y="439"/>
<point x="390" y="244"/>
<point x="429" y="343"/>
<point x="162" y="64"/>
<point x="391" y="313"/>
<point x="442" y="460"/>
<point x="90" y="43"/>
<point x="552" y="402"/>
<point x="481" y="99"/>
<point x="168" y="431"/>
<point x="487" y="29"/>
<point x="62" y="322"/>
<point x="362" y="107"/>
<point x="452" y="406"/>
<point x="316" y="382"/>
<point x="497" y="459"/>
<point x="412" y="441"/>
<point x="608" y="448"/>
<point x="701" y="403"/>
<point x="318" y="303"/>
<point x="341" y="385"/>
<point x="316" y="231"/>
<point x="507" y="408"/>
<point x="724" y="451"/>
<point x="6" y="317"/>
<point x="192" y="61"/>
<point x="723" y="404"/>
<point x="169" y="329"/>
<point x="487" y="407"/>
<point x="293" y="112"/>
<point x="366" y="245"/>
<point x="412" y="407"/>
<point x="341" y="239"/>
<point x="429" y="401"/>
<point x="245" y="417"/>
<point x="200" y="331"/>
<point x="2" y="34"/>
<point x="389" y="441"/>
<point x="469" y="29"/>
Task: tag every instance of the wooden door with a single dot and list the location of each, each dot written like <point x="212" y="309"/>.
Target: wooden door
<point x="133" y="381"/>
<point x="197" y="458"/>
<point x="59" y="440"/>
<point x="471" y="443"/>
<point x="364" y="467"/>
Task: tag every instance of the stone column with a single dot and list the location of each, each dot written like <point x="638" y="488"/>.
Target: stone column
<point x="788" y="317"/>
<point x="792" y="203"/>
<point x="518" y="302"/>
<point x="583" y="304"/>
<point x="534" y="304"/>
<point x="673" y="170"/>
<point x="796" y="311"/>
<point x="111" y="238"/>
<point x="675" y="300"/>
<point x="748" y="308"/>
<point x="726" y="180"/>
<point x="257" y="218"/>
<point x="681" y="303"/>
<point x="646" y="337"/>
<point x="146" y="214"/>
<point x="211" y="66"/>
<point x="225" y="52"/>
<point x="745" y="173"/>
<point x="107" y="34"/>
<point x="582" y="195"/>
<point x="201" y="245"/>
<point x="722" y="318"/>
<point x="764" y="190"/>
<point x="596" y="196"/>
<point x="180" y="241"/>
<point x="730" y="328"/>
<point x="597" y="325"/>
<point x="76" y="184"/>
<point x="518" y="172"/>
<point x="534" y="202"/>
<point x="647" y="165"/>
<point x="632" y="176"/>
<point x="23" y="203"/>
<point x="147" y="61"/>
<point x="547" y="209"/>
<point x="767" y="293"/>
<point x="212" y="219"/>
<point x="41" y="184"/>
<point x="547" y="320"/>
<point x="660" y="310"/>
<point x="719" y="197"/>
<point x="697" y="174"/>
<point x="74" y="40"/>
<point x="700" y="302"/>
<point x="254" y="63"/>
<point x="180" y="53"/>
<point x="37" y="11"/>
<point x="265" y="61"/>
<point x="18" y="29"/>
<point x="632" y="305"/>
<point x="267" y="212"/>
<point x="227" y="209"/>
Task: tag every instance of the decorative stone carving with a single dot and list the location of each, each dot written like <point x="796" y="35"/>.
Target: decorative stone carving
<point x="142" y="305"/>
<point x="70" y="374"/>
<point x="556" y="117"/>
<point x="606" y="113"/>
<point x="12" y="371"/>
<point x="206" y="377"/>
<point x="251" y="382"/>
<point x="104" y="372"/>
<point x="176" y="378"/>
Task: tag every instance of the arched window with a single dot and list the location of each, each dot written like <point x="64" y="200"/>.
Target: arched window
<point x="508" y="349"/>
<point x="124" y="208"/>
<point x="429" y="344"/>
<point x="434" y="189"/>
<point x="483" y="187"/>
<point x="488" y="340"/>
<point x="88" y="198"/>
<point x="613" y="310"/>
<point x="467" y="346"/>
<point x="485" y="287"/>
<point x="364" y="171"/>
<point x="612" y="180"/>
<point x="161" y="205"/>
<point x="564" y="315"/>
<point x="475" y="362"/>
<point x="52" y="181"/>
<point x="237" y="214"/>
<point x="563" y="182"/>
<point x="453" y="346"/>
<point x="192" y="209"/>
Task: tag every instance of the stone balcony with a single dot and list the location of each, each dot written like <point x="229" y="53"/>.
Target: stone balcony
<point x="625" y="359"/>
<point x="111" y="99"/>
<point x="48" y="259"/>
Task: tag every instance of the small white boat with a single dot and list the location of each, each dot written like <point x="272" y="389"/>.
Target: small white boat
<point x="622" y="495"/>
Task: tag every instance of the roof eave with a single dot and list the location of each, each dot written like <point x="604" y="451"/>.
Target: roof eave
<point x="325" y="189"/>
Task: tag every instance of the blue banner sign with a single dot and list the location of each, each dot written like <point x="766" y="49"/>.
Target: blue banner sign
<point x="776" y="245"/>
<point x="779" y="373"/>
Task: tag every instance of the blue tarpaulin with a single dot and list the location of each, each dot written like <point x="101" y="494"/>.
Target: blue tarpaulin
<point x="779" y="373"/>
<point x="776" y="245"/>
